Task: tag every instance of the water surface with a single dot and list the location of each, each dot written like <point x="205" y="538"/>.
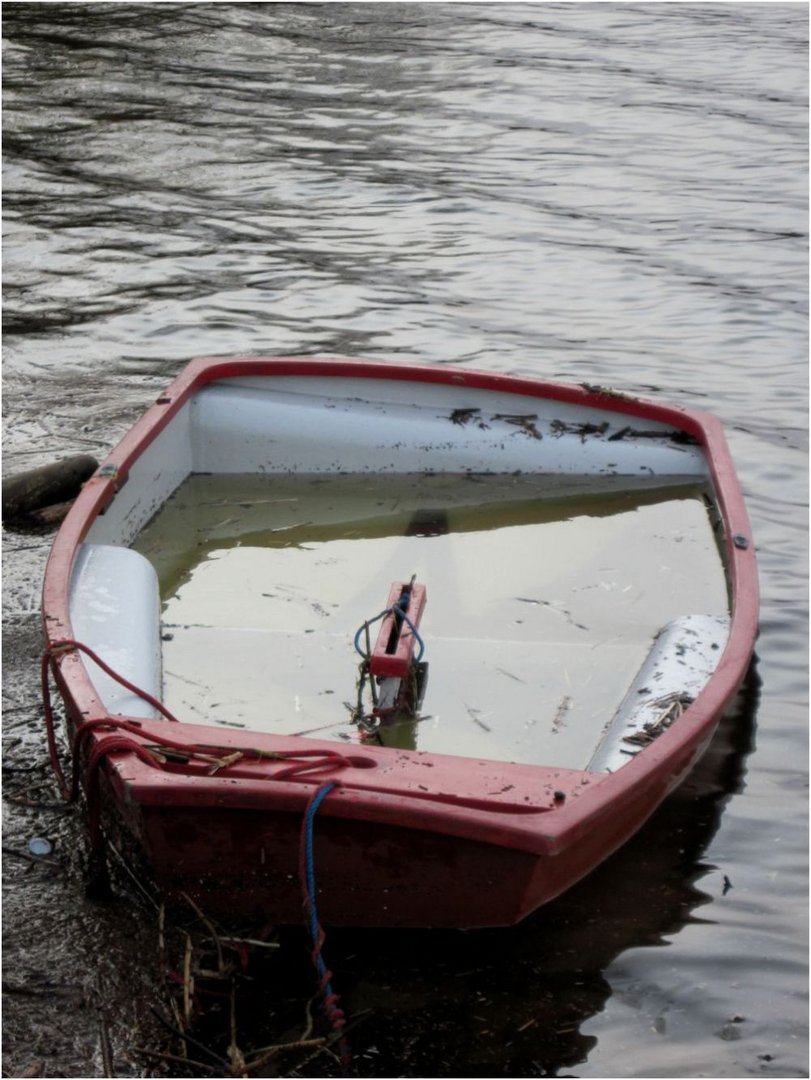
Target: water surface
<point x="267" y="580"/>
<point x="607" y="193"/>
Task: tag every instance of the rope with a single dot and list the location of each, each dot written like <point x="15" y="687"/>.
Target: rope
<point x="127" y="735"/>
<point x="303" y="764"/>
<point x="68" y="645"/>
<point x="335" y="1015"/>
<point x="398" y="614"/>
<point x="110" y="745"/>
<point x="50" y="727"/>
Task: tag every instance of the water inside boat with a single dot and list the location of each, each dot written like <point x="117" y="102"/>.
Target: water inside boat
<point x="544" y="595"/>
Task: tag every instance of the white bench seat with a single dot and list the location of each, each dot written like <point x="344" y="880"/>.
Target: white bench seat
<point x="115" y="611"/>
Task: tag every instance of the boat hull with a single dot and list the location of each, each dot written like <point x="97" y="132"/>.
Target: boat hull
<point x="402" y="837"/>
<point x="238" y="862"/>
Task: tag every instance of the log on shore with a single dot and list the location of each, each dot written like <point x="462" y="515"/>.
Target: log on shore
<point x="50" y="484"/>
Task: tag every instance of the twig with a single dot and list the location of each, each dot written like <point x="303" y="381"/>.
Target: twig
<point x="234" y="1052"/>
<point x="162" y="940"/>
<point x="39" y="991"/>
<point x="179" y="1021"/>
<point x="270" y="1052"/>
<point x="308" y="1012"/>
<point x="357" y="1019"/>
<point x="187" y="981"/>
<point x="160" y="1056"/>
<point x="653" y="728"/>
<point x="106" y="1047"/>
<point x="163" y="967"/>
<point x="222" y="1064"/>
<point x="209" y="925"/>
<point x="20" y="800"/>
<point x="32" y="858"/>
<point x="122" y="862"/>
<point x="250" y="941"/>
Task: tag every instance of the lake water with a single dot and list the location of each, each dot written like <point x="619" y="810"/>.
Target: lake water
<point x="607" y="193"/>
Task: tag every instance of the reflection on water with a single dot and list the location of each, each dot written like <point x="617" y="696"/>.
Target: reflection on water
<point x="211" y="512"/>
<point x="608" y="193"/>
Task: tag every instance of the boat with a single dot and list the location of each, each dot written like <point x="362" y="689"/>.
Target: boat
<point x="420" y="644"/>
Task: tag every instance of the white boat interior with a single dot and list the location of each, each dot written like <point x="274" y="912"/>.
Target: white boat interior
<point x="576" y="593"/>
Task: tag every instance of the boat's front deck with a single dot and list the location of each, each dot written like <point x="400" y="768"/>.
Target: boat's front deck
<point x="544" y="598"/>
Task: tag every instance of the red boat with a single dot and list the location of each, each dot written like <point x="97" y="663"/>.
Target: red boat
<point x="425" y="643"/>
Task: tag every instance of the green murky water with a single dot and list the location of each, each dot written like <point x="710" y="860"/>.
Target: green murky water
<point x="544" y="596"/>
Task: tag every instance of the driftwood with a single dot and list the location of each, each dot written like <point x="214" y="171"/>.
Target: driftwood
<point x="50" y="484"/>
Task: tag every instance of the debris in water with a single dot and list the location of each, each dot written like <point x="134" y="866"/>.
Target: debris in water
<point x="567" y="615"/>
<point x="510" y="675"/>
<point x="475" y="716"/>
<point x="560" y="712"/>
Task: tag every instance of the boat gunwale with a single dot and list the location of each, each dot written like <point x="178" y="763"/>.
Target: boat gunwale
<point x="655" y="770"/>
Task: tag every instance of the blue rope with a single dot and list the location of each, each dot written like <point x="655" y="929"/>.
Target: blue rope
<point x="334" y="1014"/>
<point x="309" y="859"/>
<point x="362" y="627"/>
<point x="416" y="634"/>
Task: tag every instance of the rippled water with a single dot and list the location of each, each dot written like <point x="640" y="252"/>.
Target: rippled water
<point x="603" y="192"/>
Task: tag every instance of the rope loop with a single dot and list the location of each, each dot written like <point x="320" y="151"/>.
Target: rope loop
<point x="130" y="735"/>
<point x="60" y="648"/>
<point x="364" y="628"/>
<point x="399" y="614"/>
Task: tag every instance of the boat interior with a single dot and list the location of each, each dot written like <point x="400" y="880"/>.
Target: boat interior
<point x="576" y="598"/>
